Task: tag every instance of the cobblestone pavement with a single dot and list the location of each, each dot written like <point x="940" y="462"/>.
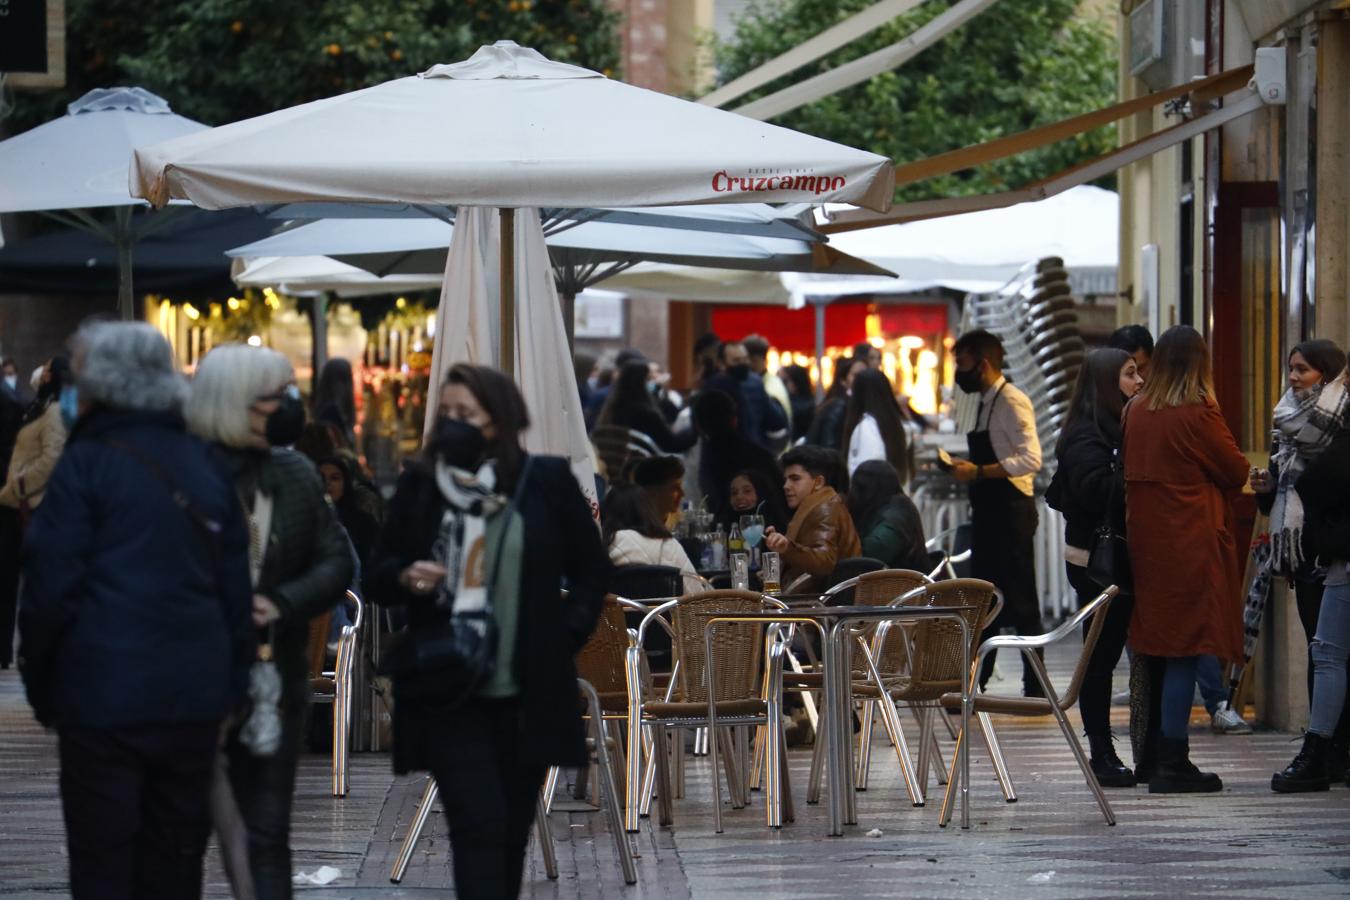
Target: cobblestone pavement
<point x="1244" y="843"/>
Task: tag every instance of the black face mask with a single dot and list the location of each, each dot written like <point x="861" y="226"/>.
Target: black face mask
<point x="287" y="421"/>
<point x="969" y="381"/>
<point x="739" y="373"/>
<point x="458" y="444"/>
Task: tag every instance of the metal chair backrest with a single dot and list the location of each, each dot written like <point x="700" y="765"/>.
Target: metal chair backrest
<point x="601" y="660"/>
<point x="880" y="589"/>
<point x="936" y="652"/>
<point x="618" y="446"/>
<point x="643" y="581"/>
<point x="848" y="570"/>
<point x="738" y="649"/>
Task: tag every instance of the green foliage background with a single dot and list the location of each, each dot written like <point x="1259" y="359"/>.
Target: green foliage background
<point x="222" y="60"/>
<point x="1020" y="64"/>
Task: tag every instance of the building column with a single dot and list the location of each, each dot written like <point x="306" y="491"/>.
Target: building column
<point x="1332" y="253"/>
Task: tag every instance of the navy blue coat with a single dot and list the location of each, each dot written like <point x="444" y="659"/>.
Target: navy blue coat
<point x="132" y="613"/>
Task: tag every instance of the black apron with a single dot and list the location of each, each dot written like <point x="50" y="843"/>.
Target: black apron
<point x="1003" y="525"/>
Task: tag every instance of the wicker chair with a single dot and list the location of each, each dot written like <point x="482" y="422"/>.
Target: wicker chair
<point x="737" y="698"/>
<point x="926" y="663"/>
<point x="1053" y="703"/>
<point x="618" y="446"/>
<point x="336" y="687"/>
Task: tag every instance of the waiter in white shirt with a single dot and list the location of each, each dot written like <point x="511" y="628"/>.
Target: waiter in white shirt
<point x="1005" y="455"/>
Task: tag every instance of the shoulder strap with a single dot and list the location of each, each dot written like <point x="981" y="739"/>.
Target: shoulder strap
<point x="180" y="498"/>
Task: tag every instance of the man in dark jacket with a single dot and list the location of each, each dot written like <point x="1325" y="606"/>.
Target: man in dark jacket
<point x="134" y="620"/>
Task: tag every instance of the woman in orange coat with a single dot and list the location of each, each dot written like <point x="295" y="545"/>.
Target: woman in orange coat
<point x="1181" y="468"/>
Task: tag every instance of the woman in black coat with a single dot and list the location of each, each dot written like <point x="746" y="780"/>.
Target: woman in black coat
<point x="1088" y="483"/>
<point x="631" y="405"/>
<point x="479" y="527"/>
<point x="888" y="523"/>
<point x="245" y="400"/>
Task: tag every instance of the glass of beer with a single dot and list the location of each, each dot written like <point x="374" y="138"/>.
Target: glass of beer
<point x="740" y="571"/>
<point x="771" y="572"/>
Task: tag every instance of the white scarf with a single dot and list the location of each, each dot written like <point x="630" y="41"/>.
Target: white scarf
<point x="462" y="546"/>
<point x="1305" y="424"/>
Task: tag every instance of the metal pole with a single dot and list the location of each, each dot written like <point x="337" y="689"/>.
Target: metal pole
<point x="507" y="361"/>
<point x="124" y="240"/>
<point x="820" y="349"/>
<point x="319" y="332"/>
<point x="568" y="299"/>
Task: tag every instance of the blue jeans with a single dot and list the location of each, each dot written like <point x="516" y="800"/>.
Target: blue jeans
<point x="1329" y="651"/>
<point x="1209" y="678"/>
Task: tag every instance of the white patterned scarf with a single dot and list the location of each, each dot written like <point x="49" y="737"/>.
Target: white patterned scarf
<point x="1305" y="424"/>
<point x="470" y="498"/>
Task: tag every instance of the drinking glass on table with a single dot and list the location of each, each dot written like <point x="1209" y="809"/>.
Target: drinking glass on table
<point x="771" y="572"/>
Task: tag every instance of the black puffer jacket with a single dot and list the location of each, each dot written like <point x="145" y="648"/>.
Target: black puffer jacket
<point x="561" y="543"/>
<point x="308" y="565"/>
<point x="1324" y="488"/>
<point x="1084" y="484"/>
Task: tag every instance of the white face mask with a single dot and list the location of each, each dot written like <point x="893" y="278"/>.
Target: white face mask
<point x="12" y="381"/>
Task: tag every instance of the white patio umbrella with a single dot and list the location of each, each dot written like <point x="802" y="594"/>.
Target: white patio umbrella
<point x="303" y="275"/>
<point x="508" y="128"/>
<point x="69" y="166"/>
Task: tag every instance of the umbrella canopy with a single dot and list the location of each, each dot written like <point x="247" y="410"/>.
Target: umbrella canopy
<point x="507" y="128"/>
<point x="301" y="275"/>
<point x="79" y="162"/>
<point x="418" y="247"/>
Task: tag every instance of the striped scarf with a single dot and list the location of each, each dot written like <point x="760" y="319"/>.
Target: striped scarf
<point x="1305" y="424"/>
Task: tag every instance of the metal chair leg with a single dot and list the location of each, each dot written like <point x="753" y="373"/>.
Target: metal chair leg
<point x="550" y="786"/>
<point x="611" y="803"/>
<point x="663" y="789"/>
<point x="545" y="839"/>
<point x="1079" y="756"/>
<point x="865" y="746"/>
<point x="996" y="757"/>
<point x="891" y="719"/>
<point x="817" y="767"/>
<point x="949" y="797"/>
<point x="727" y="745"/>
<point x="419" y="822"/>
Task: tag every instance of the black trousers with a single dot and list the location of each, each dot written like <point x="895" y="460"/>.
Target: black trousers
<point x="1003" y="551"/>
<point x="489" y="795"/>
<point x="1308" y="594"/>
<point x="135" y="804"/>
<point x="263" y="788"/>
<point x="11" y="551"/>
<point x="1094" y="699"/>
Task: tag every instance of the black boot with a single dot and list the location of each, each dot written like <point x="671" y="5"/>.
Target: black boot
<point x="1308" y="771"/>
<point x="1106" y="765"/>
<point x="1338" y="760"/>
<point x="1176" y="774"/>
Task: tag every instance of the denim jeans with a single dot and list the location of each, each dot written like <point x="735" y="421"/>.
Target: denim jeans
<point x="1209" y="678"/>
<point x="1329" y="652"/>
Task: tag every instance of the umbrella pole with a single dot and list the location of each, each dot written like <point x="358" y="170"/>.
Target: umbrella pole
<point x="820" y="349"/>
<point x="319" y="336"/>
<point x="507" y="360"/>
<point x="124" y="240"/>
<point x="569" y="314"/>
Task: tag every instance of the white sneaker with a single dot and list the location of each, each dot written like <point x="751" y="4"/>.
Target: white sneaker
<point x="1227" y="721"/>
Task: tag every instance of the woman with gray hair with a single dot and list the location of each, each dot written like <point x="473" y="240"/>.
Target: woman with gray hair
<point x="134" y="620"/>
<point x="244" y="400"/>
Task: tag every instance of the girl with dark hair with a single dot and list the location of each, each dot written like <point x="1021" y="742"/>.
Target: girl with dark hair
<point x="872" y="426"/>
<point x="753" y="493"/>
<point x="631" y="405"/>
<point x="482" y="536"/>
<point x="1088" y="485"/>
<point x="1182" y="467"/>
<point x="340" y="485"/>
<point x="827" y="429"/>
<point x="1307" y="418"/>
<point x="888" y="523"/>
<point x="635" y="535"/>
<point x="803" y="398"/>
<point x="335" y="397"/>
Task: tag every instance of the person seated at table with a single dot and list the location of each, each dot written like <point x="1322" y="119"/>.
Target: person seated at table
<point x="662" y="477"/>
<point x="724" y="451"/>
<point x="752" y="493"/>
<point x="821" y="532"/>
<point x="888" y="523"/>
<point x="634" y="534"/>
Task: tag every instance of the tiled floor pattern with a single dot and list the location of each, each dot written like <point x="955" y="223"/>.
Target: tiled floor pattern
<point x="1244" y="843"/>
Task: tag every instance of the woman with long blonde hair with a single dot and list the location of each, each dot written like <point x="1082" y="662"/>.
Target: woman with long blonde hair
<point x="1182" y="467"/>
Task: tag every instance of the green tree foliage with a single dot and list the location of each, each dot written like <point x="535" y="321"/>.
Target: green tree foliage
<point x="1020" y="64"/>
<point x="222" y="60"/>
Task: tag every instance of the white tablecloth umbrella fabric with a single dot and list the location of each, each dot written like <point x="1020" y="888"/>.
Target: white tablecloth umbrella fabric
<point x="467" y="324"/>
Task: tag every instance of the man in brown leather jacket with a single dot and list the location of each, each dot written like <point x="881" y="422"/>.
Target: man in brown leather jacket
<point x="821" y="532"/>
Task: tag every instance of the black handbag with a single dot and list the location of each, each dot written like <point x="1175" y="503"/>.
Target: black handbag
<point x="442" y="665"/>
<point x="1109" y="556"/>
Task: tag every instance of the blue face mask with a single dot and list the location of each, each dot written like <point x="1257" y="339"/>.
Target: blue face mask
<point x="70" y="405"/>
